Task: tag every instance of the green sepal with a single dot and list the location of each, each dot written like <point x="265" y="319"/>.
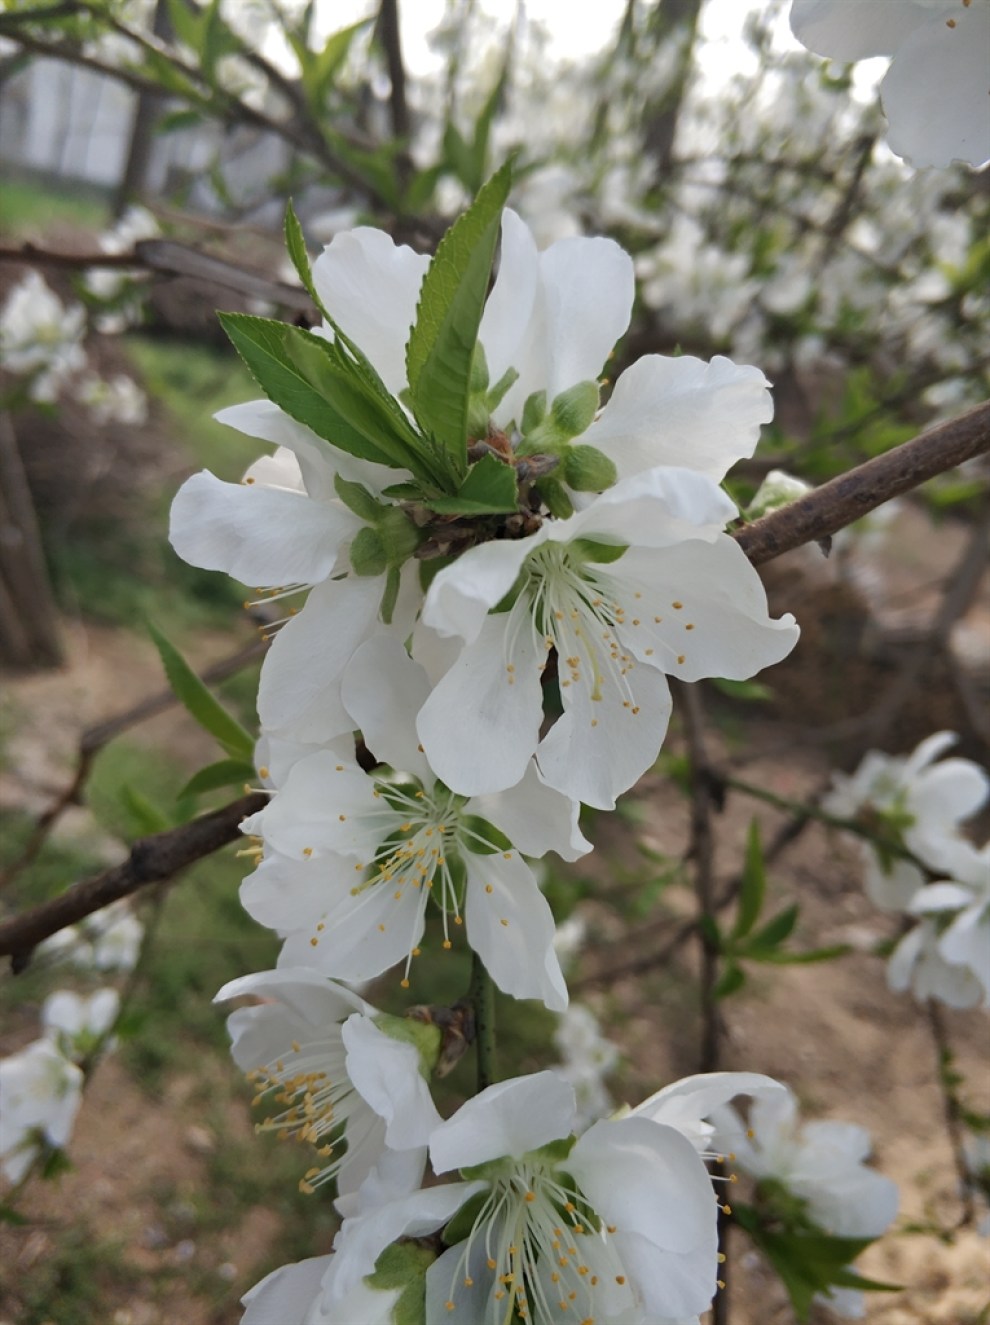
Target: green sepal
<point x="458" y="1228"/>
<point x="592" y="549"/>
<point x="368" y="555"/>
<point x="808" y="1261"/>
<point x="400" y="537"/>
<point x="393" y="579"/>
<point x="586" y="469"/>
<point x="358" y="499"/>
<point x="555" y="498"/>
<point x="498" y="392"/>
<point x="485" y="838"/>
<point x="224" y="773"/>
<point x="190" y="691"/>
<point x="424" y="1037"/>
<point x="440" y="350"/>
<point x="402" y="1267"/>
<point x="489" y="489"/>
<point x="534" y="412"/>
<point x="574" y="410"/>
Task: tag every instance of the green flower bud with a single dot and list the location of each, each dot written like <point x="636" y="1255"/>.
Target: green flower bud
<point x="573" y="411"/>
<point x="368" y="553"/>
<point x="586" y="469"/>
<point x="399" y="536"/>
<point x="534" y="412"/>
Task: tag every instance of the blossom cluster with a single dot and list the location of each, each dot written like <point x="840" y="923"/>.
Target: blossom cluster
<point x="42" y="350"/>
<point x="475" y="659"/>
<point x="922" y="865"/>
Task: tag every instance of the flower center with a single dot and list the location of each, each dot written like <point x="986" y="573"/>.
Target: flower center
<point x="310" y="1082"/>
<point x="574" y="606"/>
<point x="546" y="1250"/>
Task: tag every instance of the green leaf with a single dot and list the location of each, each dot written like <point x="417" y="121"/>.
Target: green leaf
<point x="144" y="816"/>
<point x="781" y="958"/>
<point x="776" y="930"/>
<point x="745" y="690"/>
<point x="754" y="884"/>
<point x="358" y="499"/>
<point x="201" y="703"/>
<point x="224" y="773"/>
<point x="304" y="375"/>
<point x="451" y="302"/>
<point x="489" y="489"/>
<point x="733" y="978"/>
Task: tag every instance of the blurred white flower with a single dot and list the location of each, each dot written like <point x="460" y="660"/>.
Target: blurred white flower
<point x="40" y="1091"/>
<point x="41" y="337"/>
<point x="935" y="92"/>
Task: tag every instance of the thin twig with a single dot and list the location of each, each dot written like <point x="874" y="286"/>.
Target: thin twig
<point x="702" y="852"/>
<point x="151" y="860"/>
<point x="952" y="1109"/>
<point x="482" y="999"/>
<point x="94" y="738"/>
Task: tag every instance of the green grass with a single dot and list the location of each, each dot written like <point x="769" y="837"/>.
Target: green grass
<point x="32" y="205"/>
<point x="193" y="382"/>
<point x="71" y="1286"/>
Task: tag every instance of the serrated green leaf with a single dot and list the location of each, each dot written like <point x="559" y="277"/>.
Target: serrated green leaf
<point x="200" y="702"/>
<point x="489" y="489"/>
<point x="301" y="374"/>
<point x="224" y="773"/>
<point x="754" y="884"/>
<point x="451" y="302"/>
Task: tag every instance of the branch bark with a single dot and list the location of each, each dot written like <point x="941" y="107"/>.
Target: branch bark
<point x="838" y="503"/>
<point x="151" y="860"/>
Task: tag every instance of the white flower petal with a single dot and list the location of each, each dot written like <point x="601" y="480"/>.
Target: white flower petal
<point x="370" y="286"/>
<point x="935" y="93"/>
<point x="461" y="595"/>
<point x="646" y="1178"/>
<point x="383" y="689"/>
<point x="361" y="935"/>
<point x="284" y="894"/>
<point x="599" y="748"/>
<point x="363" y="1238"/>
<point x="287" y="1295"/>
<point x="682" y="412"/>
<point x="263" y="537"/>
<point x="299" y="692"/>
<point x="505" y="1121"/>
<point x="387" y="1074"/>
<point x="850" y="30"/>
<point x="535" y="817"/>
<point x="685" y="1103"/>
<point x="712" y="608"/>
<point x="510" y="926"/>
<point x="480" y="725"/>
<point x="323" y="808"/>
<point x="510" y="305"/>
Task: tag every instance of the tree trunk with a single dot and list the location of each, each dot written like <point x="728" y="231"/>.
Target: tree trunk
<point x="28" y="622"/>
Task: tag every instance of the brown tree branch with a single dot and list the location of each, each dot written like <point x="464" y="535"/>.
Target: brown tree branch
<point x="171" y="259"/>
<point x="151" y="860"/>
<point x="839" y="502"/>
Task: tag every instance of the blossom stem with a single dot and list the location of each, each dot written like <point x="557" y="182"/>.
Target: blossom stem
<point x="805" y="811"/>
<point x="482" y="997"/>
